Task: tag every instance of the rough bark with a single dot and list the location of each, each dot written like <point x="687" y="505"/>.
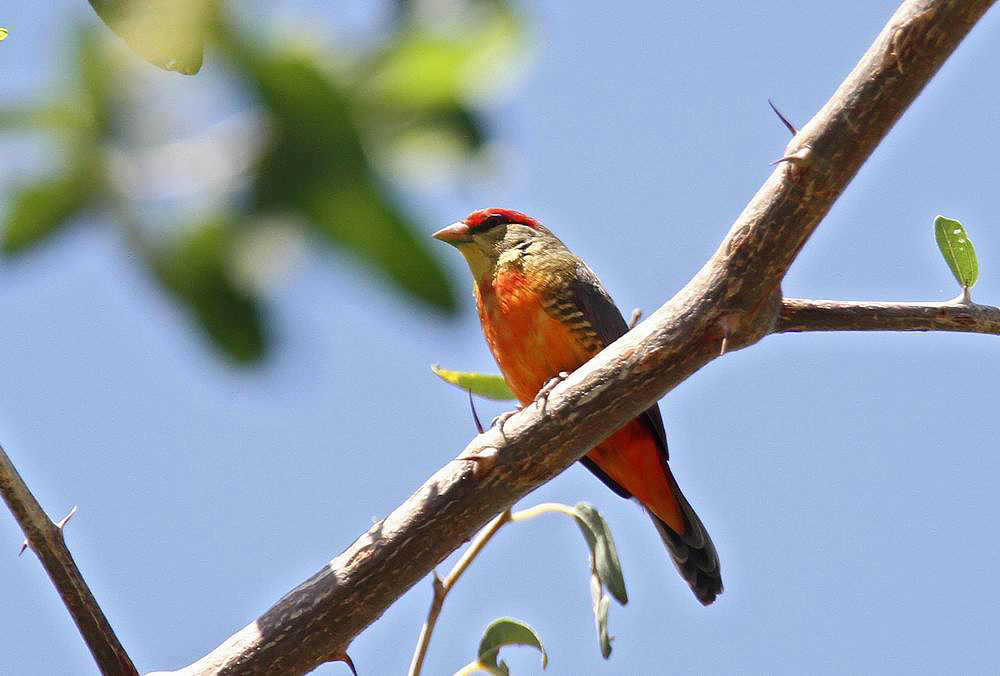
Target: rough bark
<point x="798" y="314"/>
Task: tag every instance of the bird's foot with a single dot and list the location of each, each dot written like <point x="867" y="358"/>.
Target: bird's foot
<point x="543" y="394"/>
<point x="501" y="419"/>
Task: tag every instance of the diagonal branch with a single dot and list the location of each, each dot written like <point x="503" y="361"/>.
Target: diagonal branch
<point x="46" y="540"/>
<point x="735" y="296"/>
<point x="798" y="314"/>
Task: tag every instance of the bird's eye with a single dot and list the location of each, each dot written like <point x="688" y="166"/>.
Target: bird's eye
<point x="492" y="221"/>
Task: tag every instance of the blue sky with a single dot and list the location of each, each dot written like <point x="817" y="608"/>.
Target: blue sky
<point x="848" y="480"/>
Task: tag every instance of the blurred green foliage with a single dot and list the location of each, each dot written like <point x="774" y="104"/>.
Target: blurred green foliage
<point x="42" y="207"/>
<point x="194" y="269"/>
<point x="316" y="166"/>
<point x="332" y="123"/>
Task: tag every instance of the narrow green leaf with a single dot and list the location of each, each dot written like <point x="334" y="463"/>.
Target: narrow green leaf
<point x="170" y="34"/>
<point x="504" y="632"/>
<point x="602" y="548"/>
<point x="43" y="208"/>
<point x="197" y="270"/>
<point x="482" y="384"/>
<point x="957" y="249"/>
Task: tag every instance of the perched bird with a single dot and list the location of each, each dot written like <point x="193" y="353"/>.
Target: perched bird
<point x="544" y="312"/>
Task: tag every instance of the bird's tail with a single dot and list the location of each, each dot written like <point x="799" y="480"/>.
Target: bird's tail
<point x="693" y="552"/>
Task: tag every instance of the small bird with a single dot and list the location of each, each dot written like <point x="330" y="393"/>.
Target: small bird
<point x="544" y="312"/>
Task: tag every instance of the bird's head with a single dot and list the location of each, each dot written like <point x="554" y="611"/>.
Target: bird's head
<point x="491" y="236"/>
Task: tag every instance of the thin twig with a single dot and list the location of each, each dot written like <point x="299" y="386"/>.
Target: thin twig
<point x="798" y="314"/>
<point x="442" y="587"/>
<point x="46" y="540"/>
<point x="544" y="508"/>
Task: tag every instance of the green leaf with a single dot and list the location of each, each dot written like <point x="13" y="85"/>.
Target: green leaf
<point x="316" y="167"/>
<point x="3" y="34"/>
<point x="482" y="384"/>
<point x="197" y="270"/>
<point x="504" y="632"/>
<point x="957" y="249"/>
<point x="169" y="34"/>
<point x="43" y="208"/>
<point x="602" y="549"/>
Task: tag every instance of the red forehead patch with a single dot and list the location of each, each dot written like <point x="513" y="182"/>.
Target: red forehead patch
<point x="487" y="218"/>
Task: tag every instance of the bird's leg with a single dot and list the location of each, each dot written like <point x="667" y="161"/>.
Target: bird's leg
<point x="543" y="394"/>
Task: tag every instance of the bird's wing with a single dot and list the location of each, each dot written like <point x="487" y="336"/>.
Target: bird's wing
<point x="692" y="551"/>
<point x="609" y="325"/>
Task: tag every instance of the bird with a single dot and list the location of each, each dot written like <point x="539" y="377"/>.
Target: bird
<point x="544" y="313"/>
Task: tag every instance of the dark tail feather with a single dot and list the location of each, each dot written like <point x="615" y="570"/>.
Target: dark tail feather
<point x="693" y="552"/>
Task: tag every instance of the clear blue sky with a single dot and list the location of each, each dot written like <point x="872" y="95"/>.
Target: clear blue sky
<point x="848" y="480"/>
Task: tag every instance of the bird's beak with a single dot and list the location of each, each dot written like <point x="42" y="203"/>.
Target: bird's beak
<point x="455" y="234"/>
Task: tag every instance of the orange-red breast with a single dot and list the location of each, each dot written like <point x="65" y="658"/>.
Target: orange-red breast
<point x="544" y="311"/>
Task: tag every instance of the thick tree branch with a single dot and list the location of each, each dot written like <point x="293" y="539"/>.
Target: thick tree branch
<point x="798" y="314"/>
<point x="46" y="540"/>
<point x="735" y="296"/>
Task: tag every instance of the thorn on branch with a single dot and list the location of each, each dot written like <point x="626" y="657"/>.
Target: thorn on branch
<point x="784" y="120"/>
<point x="483" y="463"/>
<point x="346" y="659"/>
<point x="800" y="158"/>
<point x="60" y="525"/>
<point x="728" y="323"/>
<point x="65" y="519"/>
<point x="475" y="416"/>
<point x="634" y="319"/>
